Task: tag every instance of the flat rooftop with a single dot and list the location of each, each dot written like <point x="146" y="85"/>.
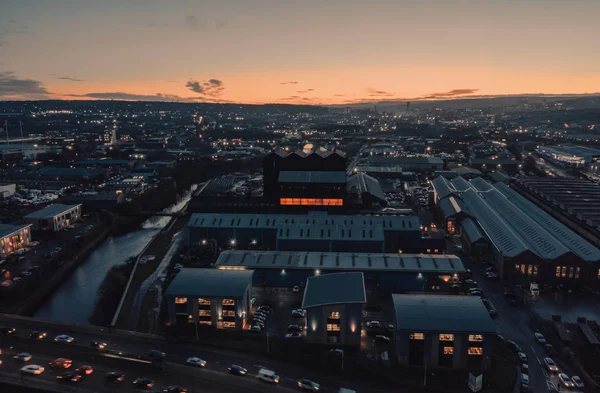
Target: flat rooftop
<point x="334" y="288"/>
<point x="342" y="261"/>
<point x="7" y="229"/>
<point x="319" y="177"/>
<point x="442" y="313"/>
<point x="196" y="282"/>
<point x="51" y="211"/>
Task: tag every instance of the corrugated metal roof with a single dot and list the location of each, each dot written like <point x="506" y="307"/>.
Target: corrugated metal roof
<point x="196" y="282"/>
<point x="365" y="183"/>
<point x="442" y="186"/>
<point x="480" y="185"/>
<point x="443" y="314"/>
<point x="334" y="288"/>
<point x="331" y="232"/>
<point x="460" y="184"/>
<point x="312" y="177"/>
<point x="471" y="229"/>
<point x="451" y="206"/>
<point x="52" y="211"/>
<point x="342" y="261"/>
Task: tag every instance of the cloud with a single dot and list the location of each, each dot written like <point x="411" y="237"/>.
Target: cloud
<point x="378" y="93"/>
<point x="210" y="88"/>
<point x="130" y="97"/>
<point x="68" y="78"/>
<point x="451" y="93"/>
<point x="305" y="91"/>
<point x="193" y="23"/>
<point x="339" y="95"/>
<point x="304" y="100"/>
<point x="289" y="83"/>
<point x="13" y="87"/>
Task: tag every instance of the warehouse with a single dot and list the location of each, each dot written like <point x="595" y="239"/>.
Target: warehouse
<point x="210" y="297"/>
<point x="13" y="237"/>
<point x="54" y="217"/>
<point x="333" y="304"/>
<point x="366" y="192"/>
<point x="311" y="188"/>
<point x="387" y="272"/>
<point x="570" y="155"/>
<point x="310" y="232"/>
<point x="443" y="331"/>
<point x="523" y="239"/>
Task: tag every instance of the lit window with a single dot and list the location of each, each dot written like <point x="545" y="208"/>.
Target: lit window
<point x="228" y="302"/>
<point x="448" y="350"/>
<point x="558" y="272"/>
<point x="333" y="327"/>
<point x="227" y="324"/>
<point x="421" y="336"/>
<point x="563" y="272"/>
<point x="180" y="300"/>
<point x="204" y="313"/>
<point x="523" y="266"/>
<point x="446" y="337"/>
<point x="535" y="270"/>
<point x="577" y="271"/>
<point x="571" y="271"/>
<point x="205" y="302"/>
<point x="599" y="274"/>
<point x="475" y="337"/>
<point x="205" y="322"/>
<point x="228" y="313"/>
<point x="475" y="351"/>
<point x="529" y="270"/>
<point x="334" y="315"/>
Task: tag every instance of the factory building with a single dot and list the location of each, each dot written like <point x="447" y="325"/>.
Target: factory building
<point x="386" y="272"/>
<point x="210" y="297"/>
<point x="13" y="238"/>
<point x="54" y="217"/>
<point x="365" y="192"/>
<point x="523" y="240"/>
<point x="333" y="304"/>
<point x="443" y="331"/>
<point x="495" y="164"/>
<point x="311" y="188"/>
<point x="315" y="231"/>
<point x="570" y="155"/>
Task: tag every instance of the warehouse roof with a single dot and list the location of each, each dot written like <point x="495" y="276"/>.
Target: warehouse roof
<point x="471" y="229"/>
<point x="52" y="211"/>
<point x="451" y="206"/>
<point x="465" y="171"/>
<point x="331" y="232"/>
<point x="444" y="314"/>
<point x="342" y="261"/>
<point x="322" y="177"/>
<point x="195" y="282"/>
<point x="7" y="229"/>
<point x="366" y="184"/>
<point x="334" y="288"/>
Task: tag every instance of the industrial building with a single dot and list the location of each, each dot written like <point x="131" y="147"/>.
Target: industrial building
<point x="54" y="217"/>
<point x="333" y="304"/>
<point x="210" y="297"/>
<point x="13" y="238"/>
<point x="494" y="164"/>
<point x="311" y="188"/>
<point x="365" y="192"/>
<point x="7" y="190"/>
<point x="442" y="331"/>
<point x="387" y="272"/>
<point x="400" y="164"/>
<point x="522" y="239"/>
<point x="574" y="202"/>
<point x="570" y="155"/>
<point x="467" y="173"/>
<point x="315" y="231"/>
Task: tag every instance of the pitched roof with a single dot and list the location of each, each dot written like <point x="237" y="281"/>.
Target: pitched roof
<point x="334" y="288"/>
<point x="7" y="229"/>
<point x="471" y="229"/>
<point x="312" y="177"/>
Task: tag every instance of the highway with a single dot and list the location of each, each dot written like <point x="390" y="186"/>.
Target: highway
<point x="215" y="376"/>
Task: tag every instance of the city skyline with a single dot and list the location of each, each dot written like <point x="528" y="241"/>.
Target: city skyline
<point x="339" y="52"/>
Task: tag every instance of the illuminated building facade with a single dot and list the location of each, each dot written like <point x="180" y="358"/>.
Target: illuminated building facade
<point x="54" y="217"/>
<point x="210" y="298"/>
<point x="13" y="238"/>
<point x="333" y="304"/>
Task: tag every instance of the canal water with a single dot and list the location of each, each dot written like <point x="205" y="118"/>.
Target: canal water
<point x="73" y="301"/>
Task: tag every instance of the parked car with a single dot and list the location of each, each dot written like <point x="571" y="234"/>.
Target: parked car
<point x="577" y="382"/>
<point x="550" y="365"/>
<point x="196" y="362"/>
<point x="143" y="383"/>
<point x="32" y="369"/>
<point x="524" y="381"/>
<point x="296" y="289"/>
<point x="255" y="329"/>
<point x="293" y="336"/>
<point x="549" y="348"/>
<point x="524" y="368"/>
<point x="565" y="380"/>
<point x="295" y="329"/>
<point x="539" y="337"/>
<point x="298" y="314"/>
<point x="522" y="357"/>
<point x="382" y="339"/>
<point x="237" y="370"/>
<point x="307" y="384"/>
<point x="266" y="309"/>
<point x="373" y="325"/>
<point x="513" y="346"/>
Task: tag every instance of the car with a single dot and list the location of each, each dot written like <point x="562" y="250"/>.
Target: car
<point x="539" y="337"/>
<point x="69" y="377"/>
<point x="255" y="329"/>
<point x="550" y="365"/>
<point x="577" y="381"/>
<point x="260" y="315"/>
<point x="524" y="368"/>
<point x="174" y="389"/>
<point x="513" y="346"/>
<point x="37" y="335"/>
<point x="7" y="331"/>
<point x="98" y="344"/>
<point x="524" y="381"/>
<point x="293" y="336"/>
<point x="61" y="363"/>
<point x="522" y="357"/>
<point x="373" y="325"/>
<point x="259" y="319"/>
<point x="196" y="362"/>
<point x="156" y="354"/>
<point x="237" y="370"/>
<point x="23" y="357"/>
<point x="565" y="380"/>
<point x="267" y="375"/>
<point x="382" y="339"/>
<point x="63" y="338"/>
<point x="34" y="243"/>
<point x="549" y="348"/>
<point x="307" y="384"/>
<point x="26" y="273"/>
<point x="20" y="251"/>
<point x="266" y="309"/>
<point x="85" y="370"/>
<point x="258" y="323"/>
<point x="295" y="329"/>
<point x="337" y="352"/>
<point x="114" y="377"/>
<point x="143" y="383"/>
<point x="391" y="328"/>
<point x="491" y="269"/>
<point x="492" y="276"/>
<point x="32" y="369"/>
<point x="296" y="289"/>
<point x="298" y="314"/>
<point x="493" y="312"/>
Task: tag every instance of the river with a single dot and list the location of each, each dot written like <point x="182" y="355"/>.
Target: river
<point x="73" y="301"/>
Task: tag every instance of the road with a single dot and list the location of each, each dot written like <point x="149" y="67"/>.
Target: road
<point x="218" y="360"/>
<point x="550" y="168"/>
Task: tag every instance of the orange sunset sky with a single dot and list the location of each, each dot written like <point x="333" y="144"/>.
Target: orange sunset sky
<point x="314" y="52"/>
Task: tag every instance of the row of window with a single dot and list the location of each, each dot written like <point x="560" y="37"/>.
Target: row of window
<point x="312" y="201"/>
<point x="530" y="270"/>
<point x="476" y="351"/>
<point x="568" y="271"/>
<point x="205" y="302"/>
<point x="333" y="327"/>
<point x="447" y="337"/>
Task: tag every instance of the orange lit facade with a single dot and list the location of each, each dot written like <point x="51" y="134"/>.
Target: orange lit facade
<point x="13" y="238"/>
<point x="311" y="201"/>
